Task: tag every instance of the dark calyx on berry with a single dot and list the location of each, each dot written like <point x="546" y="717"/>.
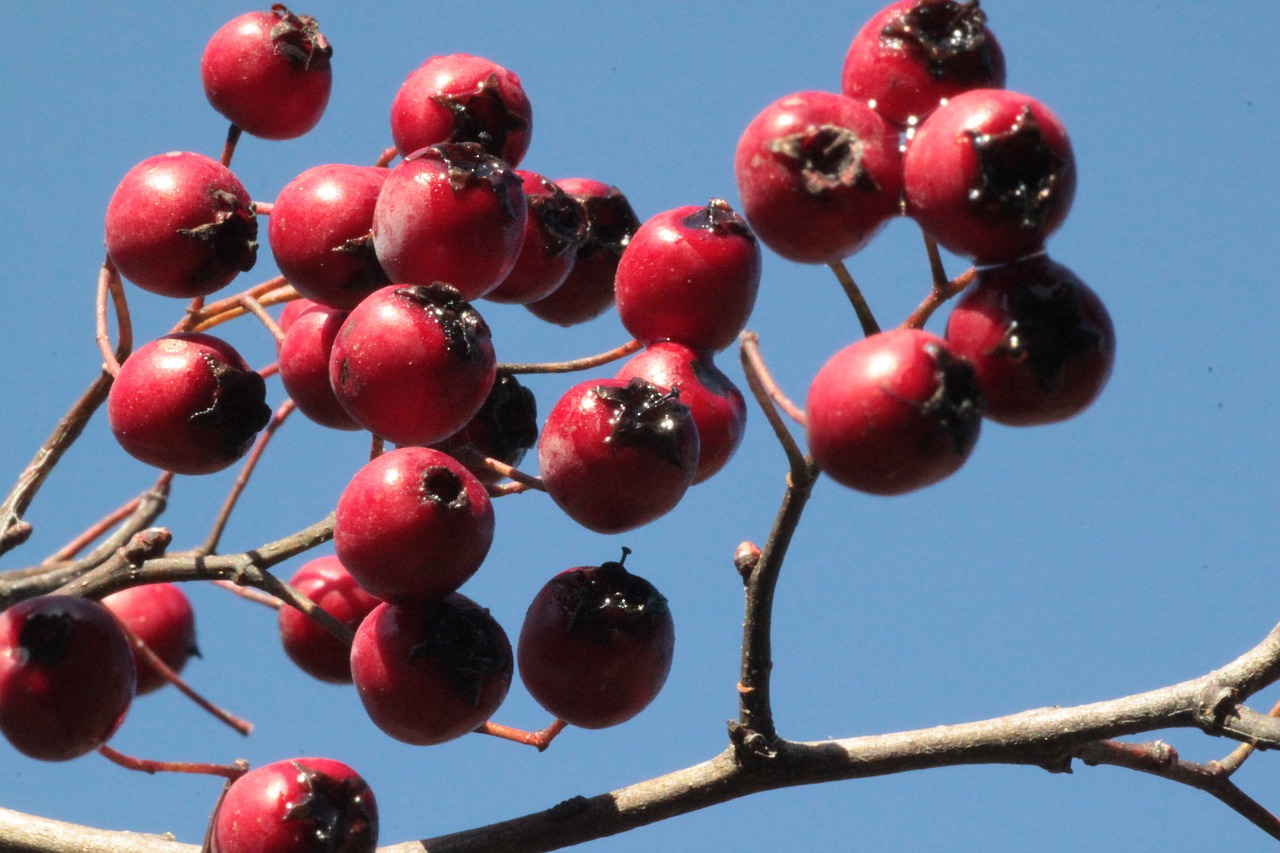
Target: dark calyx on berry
<point x="1019" y="173"/>
<point x="956" y="405"/>
<point x="461" y="324"/>
<point x="371" y="274"/>
<point x="462" y="639"/>
<point x="232" y="237"/>
<point x="482" y="117"/>
<point x="563" y="219"/>
<point x="468" y="165"/>
<point x="237" y="411"/>
<point x="612" y="599"/>
<point x="337" y="809"/>
<point x="299" y="38"/>
<point x="1051" y="317"/>
<point x="950" y="37"/>
<point x="443" y="487"/>
<point x="611" y="224"/>
<point x="827" y="157"/>
<point x="719" y="218"/>
<point x="643" y="414"/>
<point x="45" y="637"/>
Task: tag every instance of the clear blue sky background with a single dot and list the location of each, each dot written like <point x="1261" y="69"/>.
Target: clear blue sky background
<point x="1130" y="548"/>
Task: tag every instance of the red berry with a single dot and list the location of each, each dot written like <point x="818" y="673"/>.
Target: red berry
<point x="554" y="231"/>
<point x="300" y="805"/>
<point x="413" y="364"/>
<point x="268" y="72"/>
<point x="1041" y="342"/>
<point x="914" y="54"/>
<point x="318" y="653"/>
<point x="463" y="98"/>
<point x="450" y="213"/>
<point x="587" y="292"/>
<point x="321" y="233"/>
<point x="412" y="525"/>
<point x="66" y="676"/>
<point x="596" y="645"/>
<point x="893" y="412"/>
<point x="430" y="674"/>
<point x="292" y="311"/>
<point x="160" y="615"/>
<point x="717" y="406"/>
<point x="187" y="403"/>
<point x="617" y="454"/>
<point x="819" y="175"/>
<point x="504" y="429"/>
<point x="689" y="275"/>
<point x="181" y="225"/>
<point x="304" y="366"/>
<point x="990" y="175"/>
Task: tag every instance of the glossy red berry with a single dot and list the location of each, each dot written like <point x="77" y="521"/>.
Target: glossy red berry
<point x="504" y="429"/>
<point x="462" y="98"/>
<point x="450" y="213"/>
<point x="990" y="175"/>
<point x="587" y="292"/>
<point x="716" y="405"/>
<point x="304" y="366"/>
<point x="554" y="231"/>
<point x="268" y="72"/>
<point x="413" y="364"/>
<point x="160" y="615"/>
<point x="617" y="454"/>
<point x="1040" y="340"/>
<point x="187" y="403"/>
<point x="596" y="645"/>
<point x="292" y="311"/>
<point x="66" y="676"/>
<point x="430" y="674"/>
<point x="412" y="525"/>
<point x="300" y="805"/>
<point x="689" y="275"/>
<point x="181" y="225"/>
<point x="321" y="233"/>
<point x="914" y="54"/>
<point x="893" y="412"/>
<point x="819" y="175"/>
<point x="317" y="652"/>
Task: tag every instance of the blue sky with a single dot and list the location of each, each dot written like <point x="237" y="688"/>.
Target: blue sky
<point x="1127" y="549"/>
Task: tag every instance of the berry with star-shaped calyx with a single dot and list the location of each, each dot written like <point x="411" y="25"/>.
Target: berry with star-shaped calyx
<point x="615" y="454"/>
<point x="596" y="645"/>
<point x="554" y="231"/>
<point x="1040" y="340"/>
<point x="299" y="805"/>
<point x="914" y="54"/>
<point x="990" y="175"/>
<point x="504" y="429"/>
<point x="893" y="412"/>
<point x="463" y="98"/>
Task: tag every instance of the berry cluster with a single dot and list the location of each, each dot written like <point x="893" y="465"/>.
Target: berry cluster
<point x="384" y="267"/>
<point x="922" y="126"/>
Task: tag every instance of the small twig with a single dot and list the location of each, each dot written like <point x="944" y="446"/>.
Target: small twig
<point x="273" y="291"/>
<point x="263" y="208"/>
<point x="769" y="397"/>
<point x="937" y="297"/>
<point x="540" y="739"/>
<point x="385" y="158"/>
<point x="467" y="456"/>
<point x="109" y="284"/>
<point x="242" y="479"/>
<point x="1241" y="753"/>
<point x="936" y="269"/>
<point x="254" y="307"/>
<point x="377" y="446"/>
<point x="153" y="660"/>
<point x="577" y="364"/>
<point x="90" y="535"/>
<point x="257" y="596"/>
<point x="865" y="317"/>
<point x="146" y="765"/>
<point x="1160" y="759"/>
<point x="229" y="147"/>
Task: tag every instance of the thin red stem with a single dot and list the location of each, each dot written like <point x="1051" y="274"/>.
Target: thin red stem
<point x="540" y="739"/>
